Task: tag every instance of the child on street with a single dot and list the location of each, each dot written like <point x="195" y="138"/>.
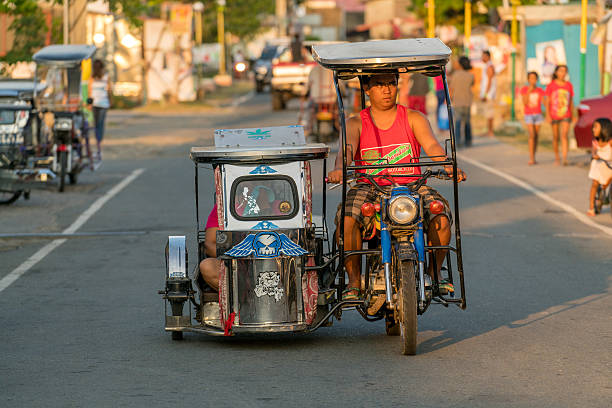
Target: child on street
<point x="532" y="101"/>
<point x="600" y="172"/>
<point x="560" y="110"/>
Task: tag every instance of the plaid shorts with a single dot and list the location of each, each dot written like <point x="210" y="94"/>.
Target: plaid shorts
<point x="365" y="192"/>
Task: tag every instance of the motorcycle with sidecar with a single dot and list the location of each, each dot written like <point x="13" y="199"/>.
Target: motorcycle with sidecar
<point x="59" y="67"/>
<point x="20" y="141"/>
<point x="282" y="271"/>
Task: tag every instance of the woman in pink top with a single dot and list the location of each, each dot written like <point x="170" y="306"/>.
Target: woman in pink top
<point x="560" y="110"/>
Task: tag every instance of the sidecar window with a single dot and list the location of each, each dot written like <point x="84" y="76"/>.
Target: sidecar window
<point x="7" y="117"/>
<point x="264" y="198"/>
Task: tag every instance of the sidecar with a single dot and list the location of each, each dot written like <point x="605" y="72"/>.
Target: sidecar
<point x="266" y="237"/>
<point x="20" y="138"/>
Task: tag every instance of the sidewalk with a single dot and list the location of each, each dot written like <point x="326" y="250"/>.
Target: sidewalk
<point x="568" y="185"/>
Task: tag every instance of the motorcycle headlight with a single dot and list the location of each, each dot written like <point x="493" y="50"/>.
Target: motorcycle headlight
<point x="403" y="210"/>
<point x="262" y="70"/>
<point x="63" y="124"/>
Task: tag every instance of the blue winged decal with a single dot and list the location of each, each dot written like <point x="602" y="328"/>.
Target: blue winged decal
<point x="244" y="248"/>
<point x="288" y="247"/>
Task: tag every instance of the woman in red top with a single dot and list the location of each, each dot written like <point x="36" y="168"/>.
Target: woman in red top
<point x="560" y="110"/>
<point x="532" y="101"/>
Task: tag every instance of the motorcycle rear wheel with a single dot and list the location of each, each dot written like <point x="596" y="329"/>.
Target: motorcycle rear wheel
<point x="63" y="160"/>
<point x="408" y="307"/>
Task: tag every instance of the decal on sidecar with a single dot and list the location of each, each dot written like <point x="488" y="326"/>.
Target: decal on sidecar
<point x="268" y="284"/>
<point x="266" y="245"/>
<point x="265" y="225"/>
<point x="263" y="169"/>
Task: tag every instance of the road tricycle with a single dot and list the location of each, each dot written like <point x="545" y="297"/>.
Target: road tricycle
<point x="280" y="270"/>
<point x="59" y="67"/>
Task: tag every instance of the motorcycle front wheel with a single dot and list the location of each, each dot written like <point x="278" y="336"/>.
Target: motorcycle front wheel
<point x="408" y="307"/>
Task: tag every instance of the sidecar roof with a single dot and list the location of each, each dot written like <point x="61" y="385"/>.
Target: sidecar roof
<point x="428" y="55"/>
<point x="64" y="55"/>
<point x="19" y="88"/>
<point x="255" y="145"/>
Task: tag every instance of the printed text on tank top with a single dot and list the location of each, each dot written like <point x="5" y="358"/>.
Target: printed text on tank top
<point x="396" y="144"/>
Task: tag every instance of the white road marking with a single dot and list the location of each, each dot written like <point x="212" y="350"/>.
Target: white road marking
<point x="243" y="99"/>
<point x="47" y="249"/>
<point x="585" y="219"/>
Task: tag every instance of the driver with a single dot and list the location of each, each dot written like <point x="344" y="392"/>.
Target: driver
<point x="389" y="133"/>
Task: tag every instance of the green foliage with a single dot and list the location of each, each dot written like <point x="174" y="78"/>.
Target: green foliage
<point x="242" y="17"/>
<point x="28" y="27"/>
<point x="453" y="11"/>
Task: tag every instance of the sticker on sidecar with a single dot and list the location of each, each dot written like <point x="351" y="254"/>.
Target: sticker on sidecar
<point x="265" y="225"/>
<point x="266" y="245"/>
<point x="263" y="169"/>
<point x="268" y="284"/>
<point x="11" y="139"/>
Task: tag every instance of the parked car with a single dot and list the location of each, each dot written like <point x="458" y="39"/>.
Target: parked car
<point x="589" y="110"/>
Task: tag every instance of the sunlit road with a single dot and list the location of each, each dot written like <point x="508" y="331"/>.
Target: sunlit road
<point x="84" y="325"/>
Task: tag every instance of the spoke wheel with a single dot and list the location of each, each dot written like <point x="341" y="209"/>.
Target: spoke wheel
<point x="9" y="197"/>
<point x="408" y="307"/>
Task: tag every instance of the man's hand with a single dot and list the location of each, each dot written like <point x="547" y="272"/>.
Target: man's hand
<point x="461" y="174"/>
<point x="335" y="176"/>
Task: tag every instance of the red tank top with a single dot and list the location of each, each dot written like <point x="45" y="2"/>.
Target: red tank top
<point x="394" y="145"/>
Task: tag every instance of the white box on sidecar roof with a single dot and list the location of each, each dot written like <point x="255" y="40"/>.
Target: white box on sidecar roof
<point x="260" y="137"/>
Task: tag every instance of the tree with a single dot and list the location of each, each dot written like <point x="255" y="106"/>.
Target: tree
<point x="29" y="28"/>
<point x="452" y="11"/>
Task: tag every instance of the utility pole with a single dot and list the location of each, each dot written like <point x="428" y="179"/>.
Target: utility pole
<point x="583" y="48"/>
<point x="514" y="34"/>
<point x="66" y="22"/>
<point x="281" y="17"/>
<point x="468" y="26"/>
<point x="221" y="35"/>
<point x="431" y="18"/>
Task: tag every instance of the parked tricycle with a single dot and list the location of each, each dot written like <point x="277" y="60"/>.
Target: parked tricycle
<point x="59" y="68"/>
<point x="280" y="270"/>
<point x="20" y="141"/>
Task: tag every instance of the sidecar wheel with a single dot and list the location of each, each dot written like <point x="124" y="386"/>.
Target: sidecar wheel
<point x="177" y="335"/>
<point x="408" y="307"/>
<point x="9" y="197"/>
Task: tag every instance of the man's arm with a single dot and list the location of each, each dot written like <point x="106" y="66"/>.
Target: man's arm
<point x="353" y="130"/>
<point x="425" y="136"/>
<point x="490" y="74"/>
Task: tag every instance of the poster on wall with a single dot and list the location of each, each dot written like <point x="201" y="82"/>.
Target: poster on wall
<point x="549" y="54"/>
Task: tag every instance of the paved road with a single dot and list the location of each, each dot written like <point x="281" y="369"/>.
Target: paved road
<point x="83" y="327"/>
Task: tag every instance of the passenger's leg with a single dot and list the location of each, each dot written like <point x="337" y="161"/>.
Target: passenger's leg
<point x="209" y="269"/>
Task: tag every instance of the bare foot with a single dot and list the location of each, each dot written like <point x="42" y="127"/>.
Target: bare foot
<point x="557" y="162"/>
<point x="532" y="162"/>
<point x="591" y="212"/>
<point x="565" y="163"/>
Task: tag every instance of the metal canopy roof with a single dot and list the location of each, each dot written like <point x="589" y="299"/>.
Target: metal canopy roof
<point x="263" y="154"/>
<point x="64" y="54"/>
<point x="17" y="88"/>
<point x="415" y="54"/>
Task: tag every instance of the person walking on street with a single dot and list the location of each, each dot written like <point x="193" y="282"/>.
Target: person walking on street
<point x="532" y="101"/>
<point x="100" y="91"/>
<point x="488" y="90"/>
<point x="560" y="110"/>
<point x="413" y="94"/>
<point x="460" y="84"/>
